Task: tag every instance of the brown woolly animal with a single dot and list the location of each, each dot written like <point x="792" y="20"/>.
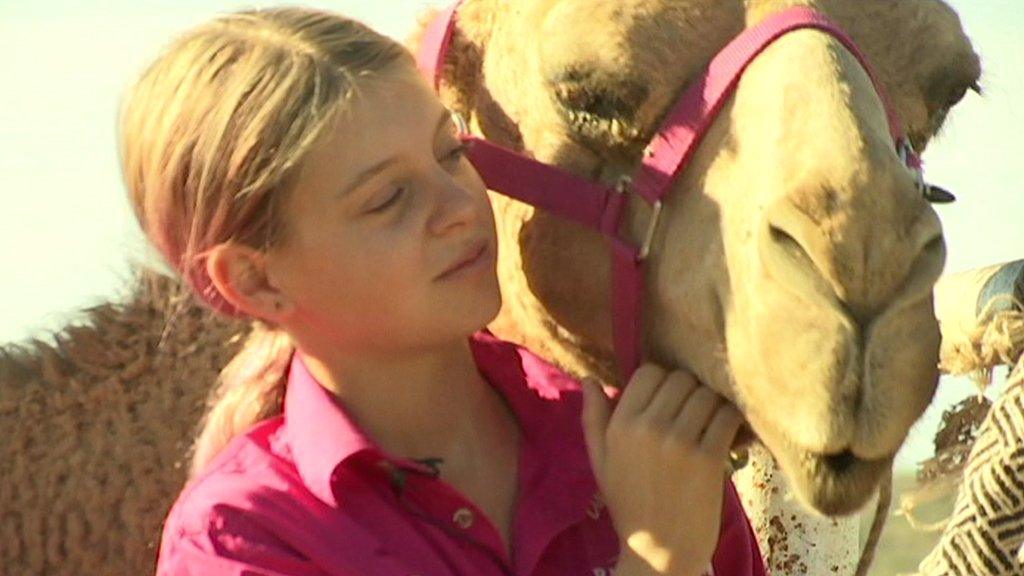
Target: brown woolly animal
<point x="792" y="270"/>
<point x="96" y="427"/>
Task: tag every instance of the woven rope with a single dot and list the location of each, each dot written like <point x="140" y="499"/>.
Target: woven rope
<point x="985" y="534"/>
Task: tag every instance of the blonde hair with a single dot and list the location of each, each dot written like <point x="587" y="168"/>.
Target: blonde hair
<point x="211" y="136"/>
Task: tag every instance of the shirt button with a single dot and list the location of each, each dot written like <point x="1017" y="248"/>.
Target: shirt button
<point x="463" y="518"/>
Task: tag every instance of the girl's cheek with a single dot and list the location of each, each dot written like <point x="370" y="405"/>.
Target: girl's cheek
<point x="395" y="254"/>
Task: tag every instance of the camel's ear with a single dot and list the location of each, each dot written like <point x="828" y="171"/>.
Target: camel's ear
<point x="461" y="75"/>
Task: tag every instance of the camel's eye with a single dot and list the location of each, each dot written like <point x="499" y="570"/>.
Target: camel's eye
<point x="598" y="106"/>
<point x="955" y="97"/>
<point x="957" y="93"/>
<point x="948" y="87"/>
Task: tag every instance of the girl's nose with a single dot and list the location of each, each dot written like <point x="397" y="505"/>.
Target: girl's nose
<point x="455" y="206"/>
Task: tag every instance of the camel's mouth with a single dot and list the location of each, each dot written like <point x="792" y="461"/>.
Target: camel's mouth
<point x="836" y="483"/>
<point x="841" y="483"/>
<point x="842" y="466"/>
<point x="847" y="402"/>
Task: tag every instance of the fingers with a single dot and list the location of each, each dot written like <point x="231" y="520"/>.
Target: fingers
<point x="596" y="413"/>
<point x="639" y="392"/>
<point x="670" y="398"/>
<point x="722" y="430"/>
<point x="695" y="415"/>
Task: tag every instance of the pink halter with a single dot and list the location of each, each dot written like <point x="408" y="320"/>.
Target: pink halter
<point x="600" y="207"/>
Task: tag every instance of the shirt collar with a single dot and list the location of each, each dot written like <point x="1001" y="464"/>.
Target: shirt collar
<point x="319" y="432"/>
<point x="322" y="435"/>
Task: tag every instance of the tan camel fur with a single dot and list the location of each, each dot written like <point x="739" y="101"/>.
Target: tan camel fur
<point x="792" y="270"/>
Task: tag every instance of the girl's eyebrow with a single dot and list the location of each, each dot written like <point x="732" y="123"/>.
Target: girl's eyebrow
<point x="369" y="173"/>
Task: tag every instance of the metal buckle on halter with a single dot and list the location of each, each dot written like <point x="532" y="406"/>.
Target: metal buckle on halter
<point x="931" y="193"/>
<point x="905" y="150"/>
<point x="460" y="123"/>
<point x="624" y="185"/>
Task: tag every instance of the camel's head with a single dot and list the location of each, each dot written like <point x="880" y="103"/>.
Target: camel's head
<point x="794" y="263"/>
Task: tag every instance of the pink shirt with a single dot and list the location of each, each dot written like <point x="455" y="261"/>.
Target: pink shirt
<point x="307" y="493"/>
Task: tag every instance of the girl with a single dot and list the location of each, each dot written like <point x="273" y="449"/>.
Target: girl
<point x="295" y="169"/>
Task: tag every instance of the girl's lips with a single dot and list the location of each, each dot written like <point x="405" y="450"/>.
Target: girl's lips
<point x="472" y="257"/>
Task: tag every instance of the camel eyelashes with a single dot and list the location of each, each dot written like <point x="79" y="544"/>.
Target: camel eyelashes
<point x="946" y="91"/>
<point x="958" y="94"/>
<point x="938" y="195"/>
<point x="600" y="108"/>
<point x="941" y="95"/>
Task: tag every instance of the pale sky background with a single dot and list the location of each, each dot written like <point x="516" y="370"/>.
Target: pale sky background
<point x="66" y="233"/>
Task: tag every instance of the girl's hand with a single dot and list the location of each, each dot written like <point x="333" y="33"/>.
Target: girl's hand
<point x="660" y="460"/>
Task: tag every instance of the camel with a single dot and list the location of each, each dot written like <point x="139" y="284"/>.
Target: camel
<point x="96" y="428"/>
<point x="793" y="266"/>
<point x="791" y="271"/>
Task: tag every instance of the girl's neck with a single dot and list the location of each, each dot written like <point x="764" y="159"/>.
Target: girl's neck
<point x="428" y="403"/>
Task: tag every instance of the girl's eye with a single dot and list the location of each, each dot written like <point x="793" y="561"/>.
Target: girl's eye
<point x="453" y="157"/>
<point x="390" y="201"/>
<point x="458" y="153"/>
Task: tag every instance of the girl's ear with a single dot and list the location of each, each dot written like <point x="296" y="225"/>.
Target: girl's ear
<point x="239" y="274"/>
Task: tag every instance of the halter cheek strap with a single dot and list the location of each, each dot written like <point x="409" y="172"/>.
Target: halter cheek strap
<point x="436" y="41"/>
<point x="601" y="207"/>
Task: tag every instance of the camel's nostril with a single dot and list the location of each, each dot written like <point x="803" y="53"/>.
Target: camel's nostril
<point x="787" y="244"/>
<point x="797" y="263"/>
<point x="839" y="463"/>
<point x="786" y="241"/>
